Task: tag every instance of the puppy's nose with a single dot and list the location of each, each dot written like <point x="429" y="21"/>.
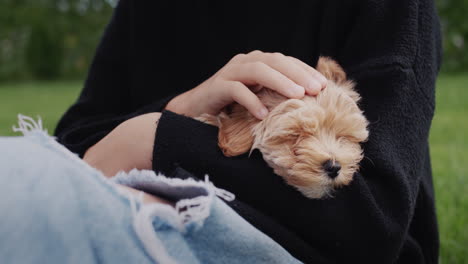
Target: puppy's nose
<point x="331" y="168"/>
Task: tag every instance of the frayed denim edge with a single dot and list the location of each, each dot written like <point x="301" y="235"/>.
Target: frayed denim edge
<point x="187" y="212"/>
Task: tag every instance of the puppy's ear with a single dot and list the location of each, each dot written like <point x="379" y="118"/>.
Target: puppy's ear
<point x="331" y="70"/>
<point x="235" y="135"/>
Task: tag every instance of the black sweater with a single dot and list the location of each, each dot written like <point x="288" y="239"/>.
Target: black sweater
<point x="391" y="48"/>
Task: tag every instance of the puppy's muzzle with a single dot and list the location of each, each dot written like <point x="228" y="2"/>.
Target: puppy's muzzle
<point x="331" y="168"/>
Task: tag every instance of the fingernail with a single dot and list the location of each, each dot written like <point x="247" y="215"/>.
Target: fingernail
<point x="297" y="90"/>
<point x="262" y="113"/>
<point x="314" y="87"/>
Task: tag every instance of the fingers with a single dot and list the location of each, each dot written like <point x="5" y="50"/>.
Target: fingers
<point x="245" y="97"/>
<point x="259" y="73"/>
<point x="307" y="77"/>
<point x="285" y="75"/>
<point x="295" y="70"/>
<point x="311" y="71"/>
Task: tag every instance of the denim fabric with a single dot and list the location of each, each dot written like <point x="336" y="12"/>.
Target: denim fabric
<point x="57" y="209"/>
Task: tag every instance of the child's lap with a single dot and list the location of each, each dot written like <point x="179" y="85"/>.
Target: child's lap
<point x="57" y="209"/>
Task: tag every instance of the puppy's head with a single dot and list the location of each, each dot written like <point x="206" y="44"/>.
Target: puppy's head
<point x="313" y="143"/>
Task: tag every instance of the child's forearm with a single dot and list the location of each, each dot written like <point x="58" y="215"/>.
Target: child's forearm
<point x="129" y="146"/>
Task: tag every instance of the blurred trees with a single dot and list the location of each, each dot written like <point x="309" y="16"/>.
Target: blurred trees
<point x="454" y="22"/>
<point x="44" y="51"/>
<point x="49" y="39"/>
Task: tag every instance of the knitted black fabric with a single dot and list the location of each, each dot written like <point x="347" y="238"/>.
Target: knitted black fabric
<point x="391" y="48"/>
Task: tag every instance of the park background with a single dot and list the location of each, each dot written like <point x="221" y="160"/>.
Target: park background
<point x="46" y="47"/>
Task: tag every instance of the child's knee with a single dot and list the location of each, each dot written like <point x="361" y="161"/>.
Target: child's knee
<point x="19" y="157"/>
<point x="34" y="180"/>
<point x="28" y="168"/>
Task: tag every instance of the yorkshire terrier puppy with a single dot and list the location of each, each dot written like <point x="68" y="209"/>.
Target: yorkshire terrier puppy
<point x="313" y="142"/>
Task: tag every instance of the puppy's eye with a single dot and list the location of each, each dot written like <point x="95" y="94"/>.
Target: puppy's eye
<point x="298" y="138"/>
<point x="356" y="136"/>
<point x="295" y="152"/>
<point x="292" y="137"/>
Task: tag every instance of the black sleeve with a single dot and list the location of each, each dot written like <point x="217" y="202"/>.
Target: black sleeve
<point x="393" y="54"/>
<point x="103" y="103"/>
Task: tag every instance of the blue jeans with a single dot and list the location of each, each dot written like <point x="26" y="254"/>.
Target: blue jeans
<point x="57" y="209"/>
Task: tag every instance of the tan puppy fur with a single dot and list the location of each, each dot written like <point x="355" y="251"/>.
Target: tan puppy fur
<point x="298" y="137"/>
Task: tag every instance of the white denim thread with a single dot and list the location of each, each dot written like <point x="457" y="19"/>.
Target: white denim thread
<point x="186" y="212"/>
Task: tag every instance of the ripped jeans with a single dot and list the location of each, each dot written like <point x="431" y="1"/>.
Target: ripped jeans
<point x="57" y="209"/>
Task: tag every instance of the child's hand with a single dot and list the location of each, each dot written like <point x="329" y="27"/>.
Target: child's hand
<point x="232" y="83"/>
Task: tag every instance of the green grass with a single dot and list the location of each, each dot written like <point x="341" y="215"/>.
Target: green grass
<point x="449" y="145"/>
<point x="449" y="152"/>
<point x="49" y="100"/>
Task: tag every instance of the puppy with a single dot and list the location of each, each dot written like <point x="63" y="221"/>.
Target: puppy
<point x="313" y="142"/>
